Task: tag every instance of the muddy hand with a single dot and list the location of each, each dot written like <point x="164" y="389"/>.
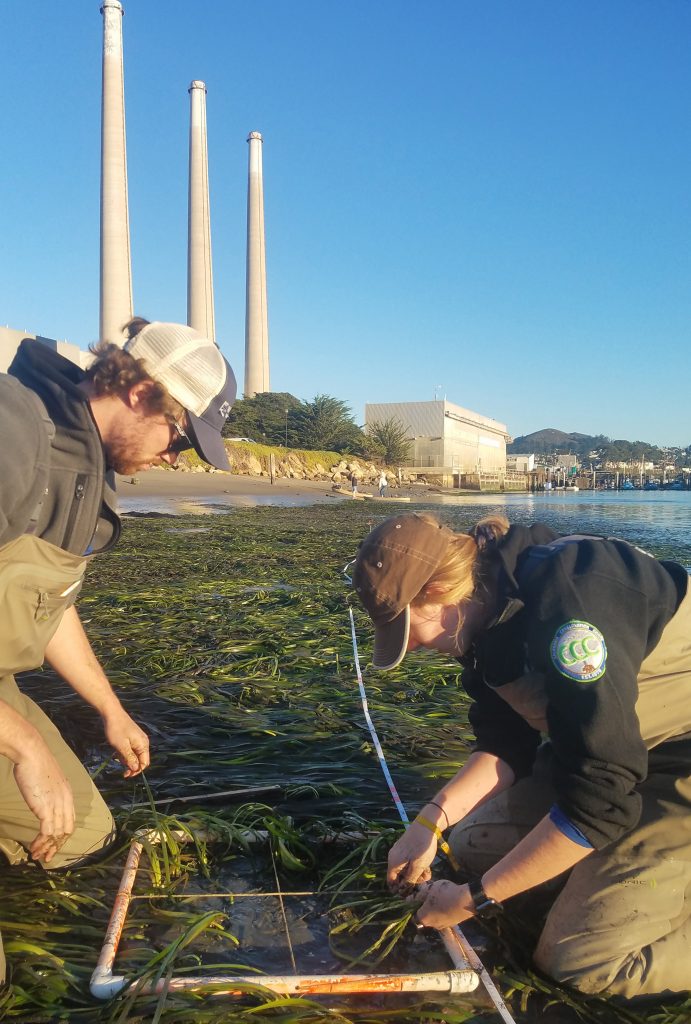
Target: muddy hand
<point x="48" y="795"/>
<point x="410" y="858"/>
<point x="444" y="904"/>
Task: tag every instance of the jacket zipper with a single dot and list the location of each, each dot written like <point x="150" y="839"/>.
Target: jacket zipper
<point x="79" y="491"/>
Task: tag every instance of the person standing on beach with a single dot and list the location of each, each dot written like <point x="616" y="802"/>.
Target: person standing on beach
<point x="383" y="484"/>
<point x="353" y="483"/>
<point x="575" y="652"/>
<point x="65" y="433"/>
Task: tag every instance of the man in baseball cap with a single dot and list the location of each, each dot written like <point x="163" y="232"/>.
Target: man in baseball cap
<point x="195" y="374"/>
<point x="66" y="432"/>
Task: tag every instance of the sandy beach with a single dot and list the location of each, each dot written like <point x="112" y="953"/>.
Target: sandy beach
<point x="166" y="491"/>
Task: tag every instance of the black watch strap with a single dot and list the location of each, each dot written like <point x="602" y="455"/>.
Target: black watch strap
<point x="485" y="906"/>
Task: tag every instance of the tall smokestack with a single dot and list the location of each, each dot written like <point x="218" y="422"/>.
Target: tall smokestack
<point x="256" y="316"/>
<point x="200" y="285"/>
<point x="116" y="273"/>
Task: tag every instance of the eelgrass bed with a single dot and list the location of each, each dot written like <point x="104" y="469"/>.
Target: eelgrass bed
<point x="228" y="639"/>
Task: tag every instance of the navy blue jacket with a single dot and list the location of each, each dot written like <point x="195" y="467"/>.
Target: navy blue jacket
<point x="545" y="586"/>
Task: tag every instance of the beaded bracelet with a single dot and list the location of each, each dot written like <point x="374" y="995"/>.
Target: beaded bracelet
<point x="443" y="845"/>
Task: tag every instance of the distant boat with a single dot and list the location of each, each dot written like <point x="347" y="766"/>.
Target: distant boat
<point x="651" y="485"/>
<point x="572" y="487"/>
<point x="627" y="486"/>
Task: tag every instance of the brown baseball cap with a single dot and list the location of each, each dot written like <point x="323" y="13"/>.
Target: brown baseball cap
<point x="393" y="564"/>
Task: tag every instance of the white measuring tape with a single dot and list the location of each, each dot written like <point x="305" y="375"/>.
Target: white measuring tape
<point x="471" y="955"/>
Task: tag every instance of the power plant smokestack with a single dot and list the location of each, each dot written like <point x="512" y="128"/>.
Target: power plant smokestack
<point x="256" y="316"/>
<point x="200" y="285"/>
<point x="116" y="273"/>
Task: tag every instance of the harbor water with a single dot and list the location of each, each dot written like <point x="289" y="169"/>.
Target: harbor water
<point x="658" y="521"/>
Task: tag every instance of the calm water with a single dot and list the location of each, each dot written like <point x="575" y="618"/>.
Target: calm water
<point x="659" y="521"/>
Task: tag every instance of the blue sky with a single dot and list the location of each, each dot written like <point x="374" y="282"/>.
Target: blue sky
<point x="489" y="196"/>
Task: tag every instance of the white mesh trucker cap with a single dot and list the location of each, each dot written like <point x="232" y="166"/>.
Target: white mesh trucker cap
<point x="195" y="374"/>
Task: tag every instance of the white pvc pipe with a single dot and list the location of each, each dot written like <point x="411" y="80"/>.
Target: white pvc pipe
<point x="104" y="985"/>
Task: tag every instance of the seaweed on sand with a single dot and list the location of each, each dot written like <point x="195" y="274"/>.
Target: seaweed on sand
<point x="232" y="648"/>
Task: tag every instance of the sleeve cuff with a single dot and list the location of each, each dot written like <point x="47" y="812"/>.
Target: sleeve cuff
<point x="567" y="827"/>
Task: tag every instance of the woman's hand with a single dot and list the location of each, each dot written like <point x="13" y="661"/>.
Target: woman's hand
<point x="410" y="858"/>
<point x="445" y="904"/>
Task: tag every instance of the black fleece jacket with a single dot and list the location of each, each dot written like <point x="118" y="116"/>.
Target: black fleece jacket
<point x="54" y="463"/>
<point x="628" y="597"/>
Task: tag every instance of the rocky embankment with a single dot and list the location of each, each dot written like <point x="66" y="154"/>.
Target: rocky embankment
<point x="255" y="460"/>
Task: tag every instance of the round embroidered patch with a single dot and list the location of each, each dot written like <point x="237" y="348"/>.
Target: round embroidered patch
<point x="579" y="651"/>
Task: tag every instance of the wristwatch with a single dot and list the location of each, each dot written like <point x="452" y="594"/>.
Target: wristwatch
<point x="485" y="906"/>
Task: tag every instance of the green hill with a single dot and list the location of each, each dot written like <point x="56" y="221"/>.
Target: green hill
<point x="596" y="448"/>
<point x="545" y="442"/>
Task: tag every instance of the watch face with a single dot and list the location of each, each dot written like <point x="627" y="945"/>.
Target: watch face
<point x="488" y="908"/>
<point x="485" y="906"/>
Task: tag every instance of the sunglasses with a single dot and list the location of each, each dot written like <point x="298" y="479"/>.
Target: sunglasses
<point x="180" y="442"/>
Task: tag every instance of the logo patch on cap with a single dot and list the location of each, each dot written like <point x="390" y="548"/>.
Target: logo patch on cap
<point x="579" y="651"/>
<point x="225" y="409"/>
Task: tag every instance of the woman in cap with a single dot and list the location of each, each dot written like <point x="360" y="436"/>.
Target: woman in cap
<point x="576" y="654"/>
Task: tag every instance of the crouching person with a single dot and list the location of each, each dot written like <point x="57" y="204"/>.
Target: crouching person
<point x="576" y="654"/>
<point x="65" y="433"/>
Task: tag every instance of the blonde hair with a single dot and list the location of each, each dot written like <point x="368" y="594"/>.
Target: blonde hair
<point x="457" y="576"/>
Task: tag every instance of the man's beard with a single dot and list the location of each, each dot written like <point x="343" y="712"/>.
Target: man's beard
<point x="125" y="456"/>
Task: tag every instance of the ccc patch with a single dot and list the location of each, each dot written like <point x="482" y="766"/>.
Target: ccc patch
<point x="579" y="651"/>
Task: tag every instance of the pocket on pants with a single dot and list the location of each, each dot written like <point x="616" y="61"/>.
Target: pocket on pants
<point x="33" y="599"/>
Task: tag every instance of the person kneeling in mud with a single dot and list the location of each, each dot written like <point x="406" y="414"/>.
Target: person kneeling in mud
<point x="576" y="655"/>
<point x="66" y="433"/>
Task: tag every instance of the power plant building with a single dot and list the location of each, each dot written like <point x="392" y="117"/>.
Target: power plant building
<point x="10" y="339"/>
<point x="448" y="441"/>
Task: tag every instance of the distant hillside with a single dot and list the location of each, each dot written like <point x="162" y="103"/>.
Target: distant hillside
<point x="549" y="441"/>
<point x="545" y="442"/>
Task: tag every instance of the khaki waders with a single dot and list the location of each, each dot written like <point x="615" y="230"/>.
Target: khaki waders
<point x="38" y="582"/>
<point x="621" y="924"/>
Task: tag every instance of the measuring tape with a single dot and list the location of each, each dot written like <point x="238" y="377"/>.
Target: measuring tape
<point x="471" y="955"/>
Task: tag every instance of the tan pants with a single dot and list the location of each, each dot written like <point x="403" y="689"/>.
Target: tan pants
<point x="621" y="924"/>
<point x="94" y="827"/>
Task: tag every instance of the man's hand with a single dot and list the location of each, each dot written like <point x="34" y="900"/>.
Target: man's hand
<point x="70" y="654"/>
<point x="130" y="742"/>
<point x="445" y="904"/>
<point x="48" y="795"/>
<point x="410" y="858"/>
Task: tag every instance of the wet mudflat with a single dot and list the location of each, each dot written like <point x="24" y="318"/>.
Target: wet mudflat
<point x="228" y="639"/>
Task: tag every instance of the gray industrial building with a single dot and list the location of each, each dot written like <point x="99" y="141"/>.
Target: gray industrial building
<point x="449" y="442"/>
<point x="10" y="339"/>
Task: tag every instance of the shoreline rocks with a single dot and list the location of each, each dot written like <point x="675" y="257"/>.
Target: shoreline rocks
<point x="294" y="465"/>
